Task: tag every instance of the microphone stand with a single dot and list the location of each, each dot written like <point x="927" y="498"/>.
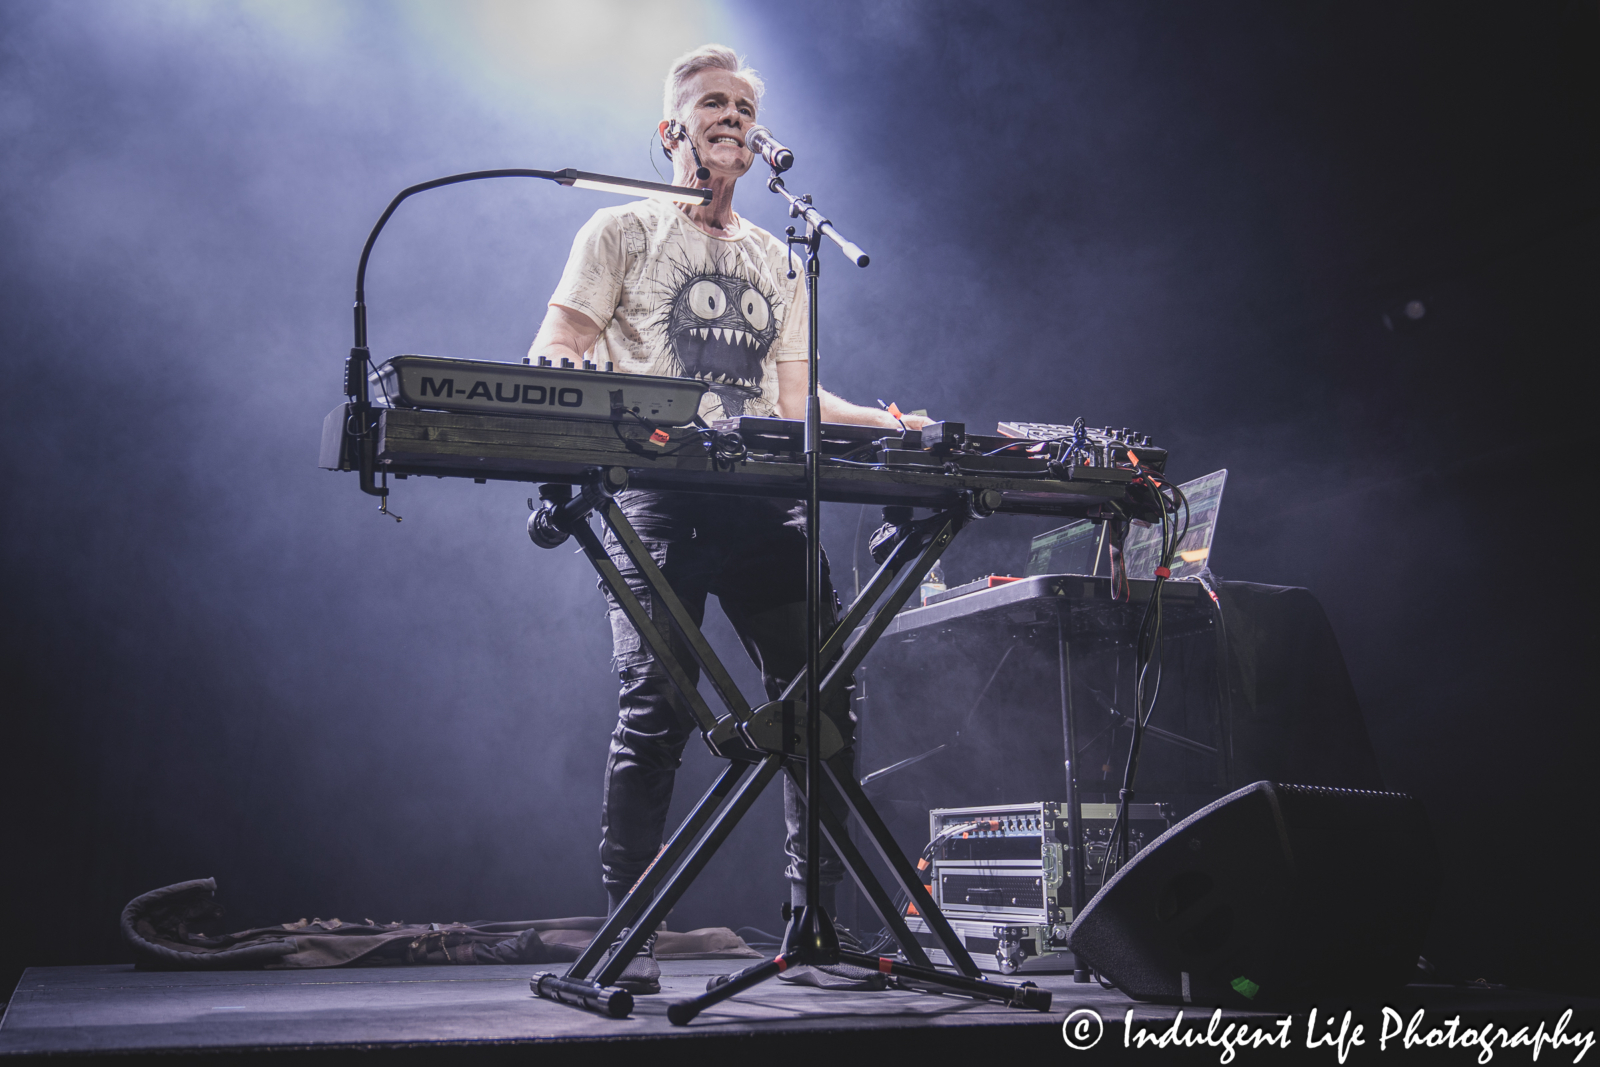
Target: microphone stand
<point x="811" y="934"/>
<point x="810" y="937"/>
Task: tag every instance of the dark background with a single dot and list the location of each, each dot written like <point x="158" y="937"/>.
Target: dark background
<point x="1186" y="218"/>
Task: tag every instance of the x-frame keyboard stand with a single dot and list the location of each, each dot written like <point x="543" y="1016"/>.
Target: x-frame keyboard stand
<point x="759" y="743"/>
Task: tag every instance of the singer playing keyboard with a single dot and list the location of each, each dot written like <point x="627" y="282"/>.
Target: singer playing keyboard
<point x="699" y="292"/>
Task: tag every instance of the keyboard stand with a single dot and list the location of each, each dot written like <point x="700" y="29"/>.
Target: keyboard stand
<point x="759" y="744"/>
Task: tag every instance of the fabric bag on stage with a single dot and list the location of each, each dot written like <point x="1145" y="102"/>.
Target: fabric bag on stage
<point x="163" y="929"/>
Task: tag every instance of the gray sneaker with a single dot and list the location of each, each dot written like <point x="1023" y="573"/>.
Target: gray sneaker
<point x="642" y="975"/>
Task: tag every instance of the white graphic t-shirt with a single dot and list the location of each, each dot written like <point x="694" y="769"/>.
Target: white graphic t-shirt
<point x="671" y="299"/>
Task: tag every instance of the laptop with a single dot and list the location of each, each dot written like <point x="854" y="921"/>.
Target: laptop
<point x="1079" y="547"/>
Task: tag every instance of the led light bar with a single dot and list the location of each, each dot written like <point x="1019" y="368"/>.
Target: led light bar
<point x="632" y="187"/>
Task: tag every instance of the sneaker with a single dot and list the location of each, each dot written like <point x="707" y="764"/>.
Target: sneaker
<point x="642" y="975"/>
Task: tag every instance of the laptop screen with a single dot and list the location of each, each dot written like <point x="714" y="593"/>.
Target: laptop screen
<point x="1075" y="548"/>
<point x="1142" y="547"/>
<point x="1071" y="549"/>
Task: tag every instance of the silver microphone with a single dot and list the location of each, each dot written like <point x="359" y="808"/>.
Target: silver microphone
<point x="761" y="141"/>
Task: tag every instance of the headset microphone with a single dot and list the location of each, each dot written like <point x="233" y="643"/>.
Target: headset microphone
<point x="676" y="131"/>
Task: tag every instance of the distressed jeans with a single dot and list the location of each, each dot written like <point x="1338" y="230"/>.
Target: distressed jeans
<point x="750" y="554"/>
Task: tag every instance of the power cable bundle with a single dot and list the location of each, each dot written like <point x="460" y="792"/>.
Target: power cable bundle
<point x="1147" y="687"/>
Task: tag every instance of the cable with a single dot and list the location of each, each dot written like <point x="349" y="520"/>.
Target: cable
<point x="855" y="552"/>
<point x="756" y="937"/>
<point x="655" y="142"/>
<point x="381" y="383"/>
<point x="902" y="899"/>
<point x="1147" y="654"/>
<point x="725" y="448"/>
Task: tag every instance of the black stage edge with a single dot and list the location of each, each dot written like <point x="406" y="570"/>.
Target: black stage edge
<point x="488" y="1015"/>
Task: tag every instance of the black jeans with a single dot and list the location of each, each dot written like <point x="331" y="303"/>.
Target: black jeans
<point x="750" y="554"/>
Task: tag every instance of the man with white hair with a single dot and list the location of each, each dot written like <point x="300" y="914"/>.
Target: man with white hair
<point x="696" y="291"/>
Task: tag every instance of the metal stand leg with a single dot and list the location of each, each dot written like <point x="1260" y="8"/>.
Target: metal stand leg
<point x="1069" y="739"/>
<point x="681" y="1012"/>
<point x="856" y="864"/>
<point x="693" y="863"/>
<point x="639" y="895"/>
<point x="889" y="852"/>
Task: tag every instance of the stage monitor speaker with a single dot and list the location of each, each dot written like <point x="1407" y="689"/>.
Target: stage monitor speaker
<point x="1273" y="895"/>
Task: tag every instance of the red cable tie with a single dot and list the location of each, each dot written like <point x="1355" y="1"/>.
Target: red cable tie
<point x="782" y="964"/>
<point x="1133" y="458"/>
<point x="1162" y="572"/>
<point x="885" y="964"/>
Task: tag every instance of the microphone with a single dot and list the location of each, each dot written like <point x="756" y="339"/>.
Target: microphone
<point x="761" y="141"/>
<point x="678" y="132"/>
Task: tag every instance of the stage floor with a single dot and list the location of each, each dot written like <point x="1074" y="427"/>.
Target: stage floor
<point x="424" y="1012"/>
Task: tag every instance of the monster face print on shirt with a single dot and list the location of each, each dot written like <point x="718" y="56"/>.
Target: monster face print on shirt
<point x="720" y="328"/>
<point x="672" y="300"/>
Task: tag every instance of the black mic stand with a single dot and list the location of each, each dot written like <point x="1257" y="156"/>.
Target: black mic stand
<point x="810" y="938"/>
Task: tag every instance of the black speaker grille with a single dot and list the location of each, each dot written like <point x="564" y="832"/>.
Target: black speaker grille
<point x="1275" y="893"/>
